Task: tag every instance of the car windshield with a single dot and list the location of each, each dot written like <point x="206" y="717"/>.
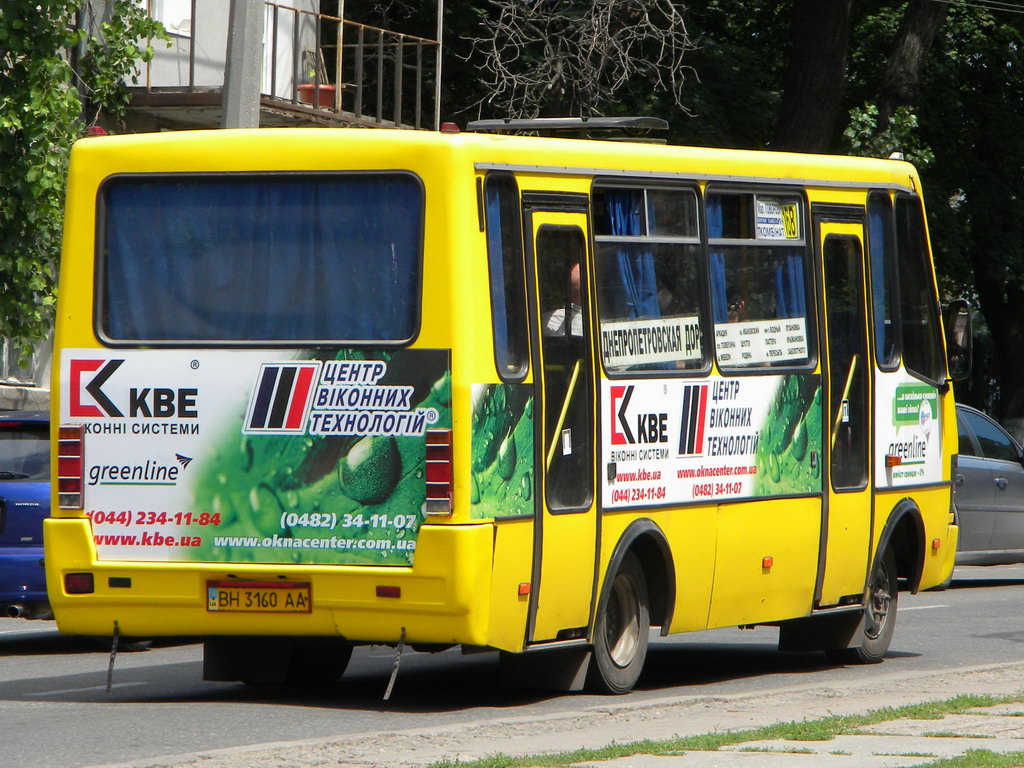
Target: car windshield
<point x="24" y="451"/>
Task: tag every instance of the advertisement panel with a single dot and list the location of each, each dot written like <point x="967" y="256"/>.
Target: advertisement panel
<point x="256" y="455"/>
<point x="502" y="481"/>
<point x="678" y="441"/>
<point x="908" y="443"/>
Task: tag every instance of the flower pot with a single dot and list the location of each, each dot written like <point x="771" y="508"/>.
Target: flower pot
<point x="308" y="94"/>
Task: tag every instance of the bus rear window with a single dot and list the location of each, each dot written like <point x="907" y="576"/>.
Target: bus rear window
<point x="261" y="258"/>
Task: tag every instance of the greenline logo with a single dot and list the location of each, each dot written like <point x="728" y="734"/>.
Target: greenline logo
<point x="148" y="473"/>
<point x="914" y="405"/>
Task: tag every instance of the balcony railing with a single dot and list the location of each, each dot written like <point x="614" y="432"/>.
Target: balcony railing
<point x="314" y="65"/>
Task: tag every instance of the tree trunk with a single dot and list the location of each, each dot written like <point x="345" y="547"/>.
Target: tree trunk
<point x="813" y="85"/>
<point x="1000" y="301"/>
<point x="921" y="22"/>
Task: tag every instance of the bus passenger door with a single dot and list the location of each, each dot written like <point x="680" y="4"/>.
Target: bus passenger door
<point x="846" y="529"/>
<point x="565" y="539"/>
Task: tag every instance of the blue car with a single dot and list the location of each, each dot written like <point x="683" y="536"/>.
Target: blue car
<point x="24" y="503"/>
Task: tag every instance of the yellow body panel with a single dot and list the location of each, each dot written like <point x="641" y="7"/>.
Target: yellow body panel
<point x="746" y="590"/>
<point x="439" y="600"/>
<point x="512" y="570"/>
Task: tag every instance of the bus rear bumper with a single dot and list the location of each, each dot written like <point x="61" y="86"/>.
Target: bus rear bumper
<point x="442" y="598"/>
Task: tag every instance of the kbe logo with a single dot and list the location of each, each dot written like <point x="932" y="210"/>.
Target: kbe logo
<point x="86" y="381"/>
<point x="650" y="427"/>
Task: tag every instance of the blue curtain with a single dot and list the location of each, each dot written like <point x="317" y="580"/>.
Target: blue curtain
<point x="497" y="268"/>
<point x="790" y="300"/>
<point x="719" y="299"/>
<point x="632" y="274"/>
<point x="263" y="258"/>
<point x="879" y="219"/>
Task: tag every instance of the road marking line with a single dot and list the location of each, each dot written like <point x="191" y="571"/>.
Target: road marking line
<point x="26" y="631"/>
<point x="82" y="690"/>
<point x="919" y="608"/>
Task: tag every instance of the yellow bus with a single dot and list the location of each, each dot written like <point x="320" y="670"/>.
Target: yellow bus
<point x="322" y="388"/>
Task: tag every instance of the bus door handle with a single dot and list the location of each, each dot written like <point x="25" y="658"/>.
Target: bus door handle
<point x="846" y="396"/>
<point x="1002" y="482"/>
<point x="959" y="479"/>
<point x="561" y="416"/>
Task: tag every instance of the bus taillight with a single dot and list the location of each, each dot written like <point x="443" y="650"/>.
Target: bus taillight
<point x="439" y="471"/>
<point x="70" y="466"/>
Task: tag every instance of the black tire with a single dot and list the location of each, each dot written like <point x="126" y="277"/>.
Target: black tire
<point x="620" y="632"/>
<point x="300" y="665"/>
<point x="317" y="666"/>
<point x="879" y="616"/>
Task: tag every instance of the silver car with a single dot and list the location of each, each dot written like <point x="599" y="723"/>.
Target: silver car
<point x="988" y="492"/>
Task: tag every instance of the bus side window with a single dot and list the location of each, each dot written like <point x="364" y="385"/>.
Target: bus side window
<point x="919" y="320"/>
<point x="883" y="279"/>
<point x="757" y="253"/>
<point x="507" y="278"/>
<point x="649" y="278"/>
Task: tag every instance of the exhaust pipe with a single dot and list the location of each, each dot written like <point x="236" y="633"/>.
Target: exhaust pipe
<point x="15" y="611"/>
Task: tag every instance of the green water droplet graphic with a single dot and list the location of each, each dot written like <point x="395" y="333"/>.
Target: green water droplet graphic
<point x="799" y="443"/>
<point x="245" y="447"/>
<point x="506" y="463"/>
<point x="370" y="471"/>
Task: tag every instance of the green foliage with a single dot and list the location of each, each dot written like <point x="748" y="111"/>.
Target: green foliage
<point x="114" y="55"/>
<point x="738" y="65"/>
<point x="900" y="135"/>
<point x="40" y="117"/>
<point x="972" y="115"/>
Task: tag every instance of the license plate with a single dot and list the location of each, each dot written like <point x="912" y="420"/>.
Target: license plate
<point x="258" y="597"/>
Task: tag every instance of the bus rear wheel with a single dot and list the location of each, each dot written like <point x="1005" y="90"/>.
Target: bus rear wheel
<point x="620" y="632"/>
<point x="879" y="616"/>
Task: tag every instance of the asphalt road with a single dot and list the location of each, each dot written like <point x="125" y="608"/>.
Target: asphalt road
<point x="56" y="711"/>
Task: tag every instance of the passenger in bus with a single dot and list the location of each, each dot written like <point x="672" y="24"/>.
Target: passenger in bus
<point x="737" y="305"/>
<point x="554" y="321"/>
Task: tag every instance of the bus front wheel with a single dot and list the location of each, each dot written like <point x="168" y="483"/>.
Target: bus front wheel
<point x="879" y="616"/>
<point x="620" y="632"/>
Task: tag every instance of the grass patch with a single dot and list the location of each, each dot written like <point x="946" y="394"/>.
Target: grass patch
<point x="807" y="730"/>
<point x="979" y="758"/>
<point x="949" y="735"/>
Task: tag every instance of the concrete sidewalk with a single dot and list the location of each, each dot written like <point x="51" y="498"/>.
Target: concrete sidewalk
<point x="620" y="721"/>
<point x="891" y="744"/>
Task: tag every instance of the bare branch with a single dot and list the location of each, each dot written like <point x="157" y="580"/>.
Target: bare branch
<point x="568" y="57"/>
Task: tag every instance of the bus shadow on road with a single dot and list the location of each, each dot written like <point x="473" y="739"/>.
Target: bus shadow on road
<point x="670" y="665"/>
<point x="425" y="684"/>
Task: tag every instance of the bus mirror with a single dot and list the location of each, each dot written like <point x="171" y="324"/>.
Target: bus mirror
<point x="959" y="339"/>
